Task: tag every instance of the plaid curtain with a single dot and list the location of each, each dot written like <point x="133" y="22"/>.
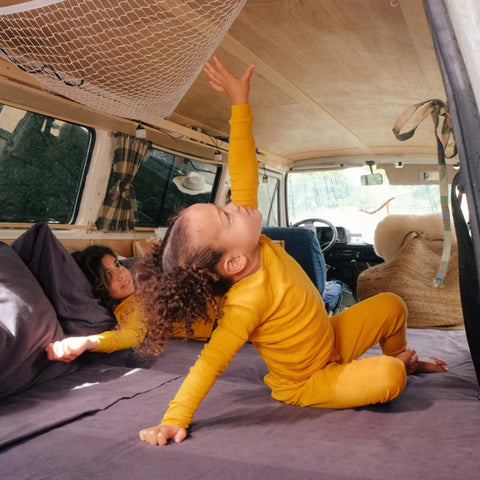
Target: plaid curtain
<point x="119" y="209"/>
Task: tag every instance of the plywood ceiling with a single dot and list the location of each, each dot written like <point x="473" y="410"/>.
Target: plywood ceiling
<point x="331" y="77"/>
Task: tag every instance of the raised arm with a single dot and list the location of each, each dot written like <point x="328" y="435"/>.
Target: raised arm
<point x="224" y="344"/>
<point x="242" y="158"/>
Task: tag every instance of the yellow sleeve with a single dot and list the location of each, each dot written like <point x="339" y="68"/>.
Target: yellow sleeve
<point x="242" y="158"/>
<point x="130" y="329"/>
<point x="224" y="342"/>
<point x="214" y="359"/>
<point x="233" y="330"/>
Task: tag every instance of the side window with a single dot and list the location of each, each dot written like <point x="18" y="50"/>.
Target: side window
<point x="43" y="162"/>
<point x="268" y="200"/>
<point x="166" y="183"/>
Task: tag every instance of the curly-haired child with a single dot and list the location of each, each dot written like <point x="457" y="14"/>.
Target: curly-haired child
<point x="212" y="252"/>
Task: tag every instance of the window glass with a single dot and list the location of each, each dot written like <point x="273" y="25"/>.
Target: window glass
<point x="340" y="197"/>
<point x="43" y="163"/>
<point x="268" y="200"/>
<point x="166" y="183"/>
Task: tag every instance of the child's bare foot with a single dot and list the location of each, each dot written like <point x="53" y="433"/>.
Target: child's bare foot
<point x="413" y="364"/>
<point x="410" y="359"/>
<point x="431" y="365"/>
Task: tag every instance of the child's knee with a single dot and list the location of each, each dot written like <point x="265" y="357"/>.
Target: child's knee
<point x="392" y="375"/>
<point x="395" y="310"/>
<point x="392" y="302"/>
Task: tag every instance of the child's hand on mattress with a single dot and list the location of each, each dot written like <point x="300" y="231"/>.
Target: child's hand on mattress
<point x="161" y="434"/>
<point x="70" y="348"/>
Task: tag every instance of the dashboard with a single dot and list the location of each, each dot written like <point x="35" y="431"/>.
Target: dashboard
<point x="324" y="235"/>
<point x="348" y="256"/>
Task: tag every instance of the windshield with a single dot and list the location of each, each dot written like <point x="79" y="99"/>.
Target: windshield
<point x="339" y="197"/>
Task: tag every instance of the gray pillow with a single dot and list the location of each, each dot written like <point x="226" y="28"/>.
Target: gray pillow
<point x="27" y="325"/>
<point x="64" y="283"/>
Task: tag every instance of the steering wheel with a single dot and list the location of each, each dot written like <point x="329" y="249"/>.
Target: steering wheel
<point x="325" y="246"/>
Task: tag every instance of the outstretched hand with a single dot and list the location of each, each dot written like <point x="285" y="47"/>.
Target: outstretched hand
<point x="69" y="348"/>
<point x="161" y="434"/>
<point x="222" y="80"/>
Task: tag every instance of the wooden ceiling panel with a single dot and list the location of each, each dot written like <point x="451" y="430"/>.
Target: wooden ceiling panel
<point x="331" y="76"/>
<point x="280" y="117"/>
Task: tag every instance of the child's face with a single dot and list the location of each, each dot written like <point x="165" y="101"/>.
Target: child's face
<point x="121" y="281"/>
<point x="234" y="228"/>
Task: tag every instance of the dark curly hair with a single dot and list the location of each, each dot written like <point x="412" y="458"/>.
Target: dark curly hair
<point x="90" y="261"/>
<point x="177" y="282"/>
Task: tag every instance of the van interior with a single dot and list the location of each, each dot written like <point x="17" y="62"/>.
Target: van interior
<point x="330" y="81"/>
<point x="361" y="128"/>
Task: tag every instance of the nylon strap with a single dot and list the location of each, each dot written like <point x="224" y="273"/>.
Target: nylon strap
<point x="445" y="140"/>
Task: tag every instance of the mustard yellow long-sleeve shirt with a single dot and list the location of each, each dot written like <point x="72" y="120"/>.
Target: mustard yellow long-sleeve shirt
<point x="278" y="308"/>
<point x="130" y="327"/>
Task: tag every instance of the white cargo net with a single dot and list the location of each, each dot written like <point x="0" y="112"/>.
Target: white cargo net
<point x="131" y="58"/>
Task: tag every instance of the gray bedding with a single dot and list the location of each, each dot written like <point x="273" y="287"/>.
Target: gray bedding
<point x="84" y="425"/>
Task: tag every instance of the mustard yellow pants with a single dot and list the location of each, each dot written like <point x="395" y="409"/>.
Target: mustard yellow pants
<point x="348" y="382"/>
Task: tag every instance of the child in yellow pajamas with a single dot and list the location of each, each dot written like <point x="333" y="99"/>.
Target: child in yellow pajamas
<point x="267" y="299"/>
<point x="113" y="285"/>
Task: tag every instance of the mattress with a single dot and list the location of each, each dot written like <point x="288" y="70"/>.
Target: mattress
<point x="85" y="424"/>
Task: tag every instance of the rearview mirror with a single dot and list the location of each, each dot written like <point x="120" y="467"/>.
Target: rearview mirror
<point x="372" y="179"/>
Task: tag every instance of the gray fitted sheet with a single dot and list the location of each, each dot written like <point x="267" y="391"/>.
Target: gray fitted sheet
<point x="85" y="424"/>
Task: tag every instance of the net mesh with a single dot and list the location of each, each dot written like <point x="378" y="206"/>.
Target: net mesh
<point x="131" y="58"/>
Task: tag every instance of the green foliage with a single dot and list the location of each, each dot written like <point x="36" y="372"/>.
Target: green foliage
<point x="42" y="164"/>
